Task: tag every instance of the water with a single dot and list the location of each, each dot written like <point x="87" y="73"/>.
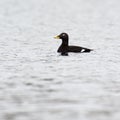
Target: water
<point x="36" y="83"/>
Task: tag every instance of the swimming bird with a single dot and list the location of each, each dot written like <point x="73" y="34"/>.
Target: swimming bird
<point x="65" y="48"/>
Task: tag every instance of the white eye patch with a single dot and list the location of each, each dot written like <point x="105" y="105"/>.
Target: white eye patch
<point x="63" y="35"/>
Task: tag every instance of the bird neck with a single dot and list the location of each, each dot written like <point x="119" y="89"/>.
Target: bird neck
<point x="65" y="42"/>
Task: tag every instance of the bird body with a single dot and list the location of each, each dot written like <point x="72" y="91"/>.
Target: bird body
<point x="65" y="48"/>
<point x="75" y="49"/>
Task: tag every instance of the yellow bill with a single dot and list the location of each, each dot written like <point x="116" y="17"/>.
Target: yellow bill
<point x="57" y="37"/>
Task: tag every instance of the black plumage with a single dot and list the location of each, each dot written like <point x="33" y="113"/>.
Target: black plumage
<point x="65" y="48"/>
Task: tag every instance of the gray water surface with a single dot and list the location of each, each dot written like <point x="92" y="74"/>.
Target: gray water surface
<point x="36" y="83"/>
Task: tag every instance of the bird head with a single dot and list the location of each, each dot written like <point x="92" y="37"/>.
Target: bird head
<point x="63" y="36"/>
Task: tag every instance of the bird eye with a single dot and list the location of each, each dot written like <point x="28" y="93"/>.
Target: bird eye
<point x="63" y="35"/>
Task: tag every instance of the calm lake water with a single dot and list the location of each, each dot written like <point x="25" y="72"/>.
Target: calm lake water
<point x="36" y="83"/>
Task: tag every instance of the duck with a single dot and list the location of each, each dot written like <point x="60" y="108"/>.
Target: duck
<point x="65" y="48"/>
